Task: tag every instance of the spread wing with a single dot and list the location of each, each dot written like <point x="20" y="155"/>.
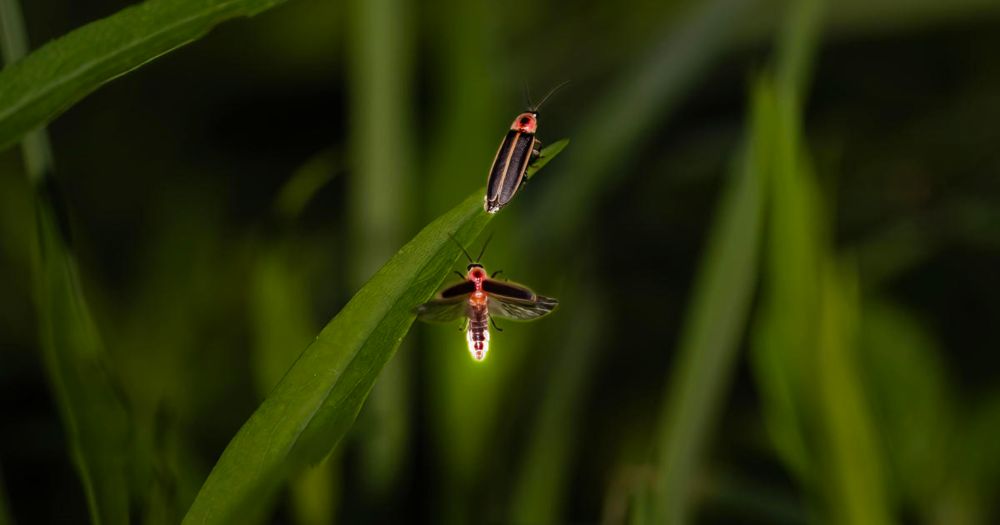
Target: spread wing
<point x="442" y="310"/>
<point x="463" y="288"/>
<point x="449" y="305"/>
<point x="512" y="301"/>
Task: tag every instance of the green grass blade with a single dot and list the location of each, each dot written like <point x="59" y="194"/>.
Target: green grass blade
<point x="381" y="205"/>
<point x="91" y="408"/>
<point x="710" y="340"/>
<point x="94" y="416"/>
<point x="973" y="498"/>
<point x="854" y="479"/>
<point x="541" y="484"/>
<point x="614" y="128"/>
<point x="902" y="368"/>
<point x="805" y="354"/>
<point x="317" y="400"/>
<point x="786" y="323"/>
<point x="60" y="73"/>
<point x="282" y="326"/>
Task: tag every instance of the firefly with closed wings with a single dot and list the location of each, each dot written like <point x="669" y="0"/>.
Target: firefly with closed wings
<point x="480" y="298"/>
<point x="518" y="149"/>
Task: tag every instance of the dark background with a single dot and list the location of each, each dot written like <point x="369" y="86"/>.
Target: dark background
<point x="171" y="176"/>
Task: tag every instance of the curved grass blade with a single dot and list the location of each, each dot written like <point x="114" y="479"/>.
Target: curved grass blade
<point x="60" y="73"/>
<point x="316" y="402"/>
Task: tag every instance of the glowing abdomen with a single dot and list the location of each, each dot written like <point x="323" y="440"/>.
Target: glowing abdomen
<point x="478" y="332"/>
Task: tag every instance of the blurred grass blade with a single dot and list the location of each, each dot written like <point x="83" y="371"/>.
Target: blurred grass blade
<point x="317" y="400"/>
<point x="815" y="405"/>
<point x="307" y="180"/>
<point x="279" y="309"/>
<point x="282" y="327"/>
<point x="92" y="412"/>
<point x="381" y="205"/>
<point x="282" y="321"/>
<point x="973" y="497"/>
<point x="853" y="462"/>
<point x="615" y="125"/>
<point x="710" y="339"/>
<point x="315" y="493"/>
<point x="541" y="485"/>
<point x="900" y="362"/>
<point x="38" y="88"/>
<point x="786" y="322"/>
<point x="785" y="328"/>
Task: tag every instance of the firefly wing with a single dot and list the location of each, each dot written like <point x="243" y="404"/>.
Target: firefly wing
<point x="512" y="301"/>
<point x="449" y="305"/>
<point x="462" y="288"/>
<point x="442" y="310"/>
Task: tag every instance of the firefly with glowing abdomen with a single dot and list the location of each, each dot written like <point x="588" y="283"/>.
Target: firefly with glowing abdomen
<point x="517" y="151"/>
<point x="479" y="299"/>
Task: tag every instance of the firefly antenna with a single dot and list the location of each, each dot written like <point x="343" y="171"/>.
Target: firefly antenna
<point x="527" y="95"/>
<point x="466" y="252"/>
<point x="551" y="92"/>
<point x="485" y="244"/>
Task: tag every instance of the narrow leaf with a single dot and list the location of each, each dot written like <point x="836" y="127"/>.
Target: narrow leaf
<point x="902" y="367"/>
<point x="92" y="411"/>
<point x="710" y="340"/>
<point x="546" y="465"/>
<point x="316" y="402"/>
<point x="853" y="475"/>
<point x="93" y="414"/>
<point x="47" y="82"/>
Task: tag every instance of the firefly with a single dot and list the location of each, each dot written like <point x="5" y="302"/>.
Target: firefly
<point x="517" y="151"/>
<point x="478" y="299"/>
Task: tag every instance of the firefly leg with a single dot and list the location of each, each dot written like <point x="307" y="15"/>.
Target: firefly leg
<point x="496" y="273"/>
<point x="495" y="327"/>
<point x="535" y="155"/>
<point x="458" y="273"/>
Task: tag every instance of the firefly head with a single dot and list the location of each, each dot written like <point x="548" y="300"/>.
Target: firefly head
<point x="476" y="272"/>
<point x="526" y="122"/>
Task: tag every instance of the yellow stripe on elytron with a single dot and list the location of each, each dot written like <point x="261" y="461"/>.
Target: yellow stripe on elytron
<point x="506" y="164"/>
<point x="524" y="166"/>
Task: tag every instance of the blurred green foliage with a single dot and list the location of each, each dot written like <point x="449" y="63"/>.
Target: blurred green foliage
<point x="774" y="240"/>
